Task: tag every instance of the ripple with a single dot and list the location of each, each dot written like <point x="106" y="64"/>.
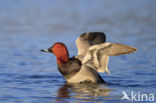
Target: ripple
<point x="41" y="76"/>
<point x="28" y="76"/>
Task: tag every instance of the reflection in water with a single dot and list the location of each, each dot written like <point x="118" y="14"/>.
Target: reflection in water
<point x="84" y="91"/>
<point x="63" y="91"/>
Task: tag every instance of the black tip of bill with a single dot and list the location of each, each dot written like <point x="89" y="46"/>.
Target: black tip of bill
<point x="44" y="50"/>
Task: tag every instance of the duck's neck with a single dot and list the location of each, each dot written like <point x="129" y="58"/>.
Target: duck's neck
<point x="62" y="60"/>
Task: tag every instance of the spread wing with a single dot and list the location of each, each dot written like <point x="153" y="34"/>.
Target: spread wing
<point x="97" y="56"/>
<point x="95" y="37"/>
<point x="86" y="40"/>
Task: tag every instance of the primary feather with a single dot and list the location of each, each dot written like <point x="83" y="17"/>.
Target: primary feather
<point x="97" y="56"/>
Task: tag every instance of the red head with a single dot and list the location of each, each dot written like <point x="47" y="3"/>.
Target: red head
<point x="60" y="51"/>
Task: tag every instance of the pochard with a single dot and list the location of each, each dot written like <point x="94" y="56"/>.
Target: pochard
<point x="93" y="55"/>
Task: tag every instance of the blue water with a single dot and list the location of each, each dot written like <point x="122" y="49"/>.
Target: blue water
<point x="30" y="76"/>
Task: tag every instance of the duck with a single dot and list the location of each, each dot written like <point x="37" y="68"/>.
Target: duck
<point x="92" y="58"/>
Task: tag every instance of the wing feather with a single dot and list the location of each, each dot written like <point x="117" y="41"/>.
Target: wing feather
<point x="97" y="56"/>
<point x="86" y="40"/>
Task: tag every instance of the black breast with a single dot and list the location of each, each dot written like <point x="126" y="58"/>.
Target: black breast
<point x="71" y="68"/>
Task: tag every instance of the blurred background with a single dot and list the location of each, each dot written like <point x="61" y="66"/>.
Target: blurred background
<point x="26" y="26"/>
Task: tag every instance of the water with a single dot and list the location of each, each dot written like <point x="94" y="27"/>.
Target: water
<point x="30" y="76"/>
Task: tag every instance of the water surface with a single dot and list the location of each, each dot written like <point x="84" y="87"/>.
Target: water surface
<point x="30" y="76"/>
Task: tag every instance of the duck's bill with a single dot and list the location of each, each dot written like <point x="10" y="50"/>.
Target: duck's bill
<point x="46" y="50"/>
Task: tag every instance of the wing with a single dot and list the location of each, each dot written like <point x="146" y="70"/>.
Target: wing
<point x="95" y="37"/>
<point x="98" y="55"/>
<point x="86" y="40"/>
